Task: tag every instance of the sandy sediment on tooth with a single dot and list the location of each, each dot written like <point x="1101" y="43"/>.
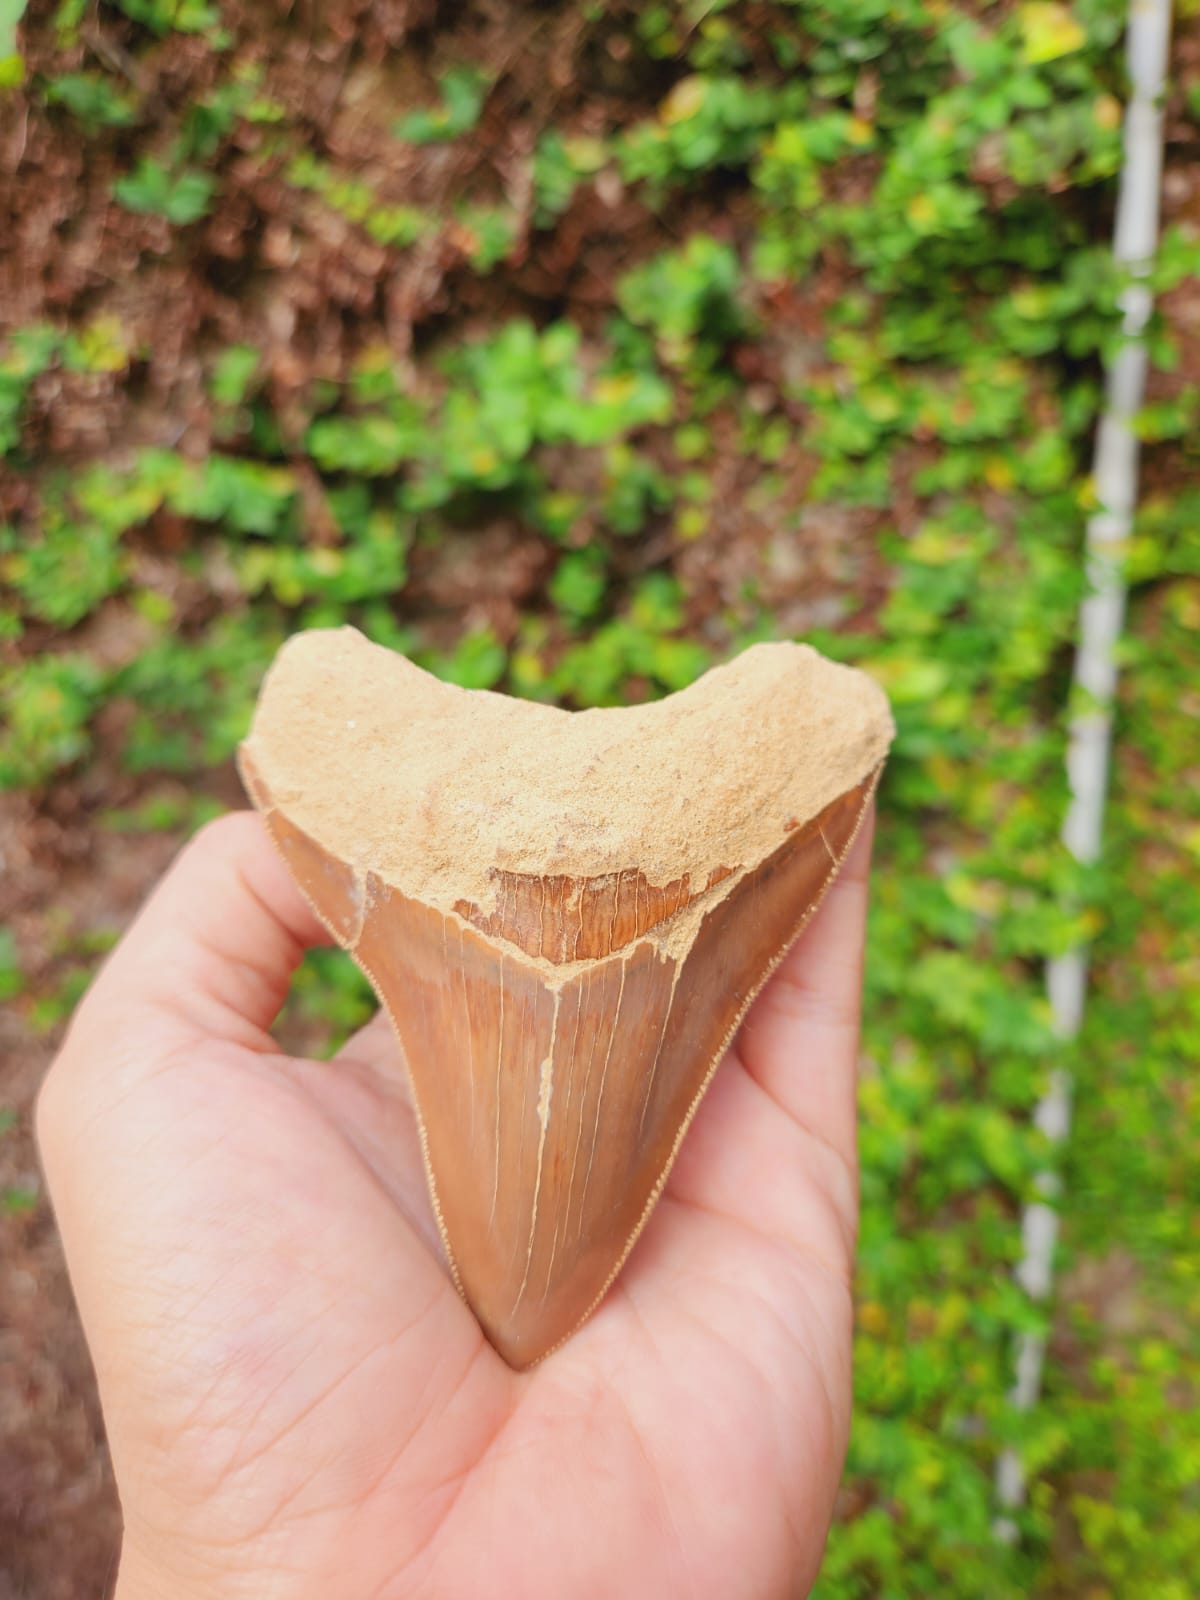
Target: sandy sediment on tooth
<point x="436" y="789"/>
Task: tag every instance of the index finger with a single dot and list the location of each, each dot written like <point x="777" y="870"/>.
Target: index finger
<point x="211" y="954"/>
<point x="800" y="1039"/>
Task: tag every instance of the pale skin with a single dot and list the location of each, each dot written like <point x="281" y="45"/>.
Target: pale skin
<point x="298" y="1403"/>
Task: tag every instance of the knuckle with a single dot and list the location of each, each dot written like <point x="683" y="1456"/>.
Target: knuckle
<point x="223" y="834"/>
<point x="49" y="1112"/>
<point x="58" y="1106"/>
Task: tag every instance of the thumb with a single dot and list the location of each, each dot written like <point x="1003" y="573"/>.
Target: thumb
<point x="234" y="1257"/>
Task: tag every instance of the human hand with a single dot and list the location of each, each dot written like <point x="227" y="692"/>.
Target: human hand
<point x="298" y="1403"/>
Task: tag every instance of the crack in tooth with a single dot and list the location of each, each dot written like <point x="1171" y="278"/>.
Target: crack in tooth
<point x="661" y="1038"/>
<point x="545" y="1093"/>
<point x="600" y="1097"/>
<point x="499" y="1060"/>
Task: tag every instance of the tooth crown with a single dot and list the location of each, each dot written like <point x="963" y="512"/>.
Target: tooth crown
<point x="560" y="1009"/>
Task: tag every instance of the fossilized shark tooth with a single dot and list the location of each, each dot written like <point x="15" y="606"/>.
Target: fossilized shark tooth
<point x="565" y="914"/>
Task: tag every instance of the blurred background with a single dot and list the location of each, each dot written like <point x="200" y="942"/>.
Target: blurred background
<point x="569" y="347"/>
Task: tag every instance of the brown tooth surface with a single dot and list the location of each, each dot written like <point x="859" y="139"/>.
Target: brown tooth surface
<point x="560" y="1006"/>
<point x="579" y="919"/>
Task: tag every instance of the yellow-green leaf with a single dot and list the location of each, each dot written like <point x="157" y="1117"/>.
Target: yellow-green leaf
<point x="1050" y="30"/>
<point x="684" y="100"/>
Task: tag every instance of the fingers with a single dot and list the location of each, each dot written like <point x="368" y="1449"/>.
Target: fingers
<point x="800" y="1040"/>
<point x="212" y="952"/>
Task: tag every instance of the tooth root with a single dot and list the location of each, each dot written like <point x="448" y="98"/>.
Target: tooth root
<point x="559" y="1041"/>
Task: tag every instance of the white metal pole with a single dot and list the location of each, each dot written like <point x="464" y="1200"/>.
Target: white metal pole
<point x="1101" y="617"/>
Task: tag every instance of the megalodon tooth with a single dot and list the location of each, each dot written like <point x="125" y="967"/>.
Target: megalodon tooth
<point x="565" y="915"/>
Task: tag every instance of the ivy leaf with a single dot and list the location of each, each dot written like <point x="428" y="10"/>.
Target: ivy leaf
<point x="233" y="374"/>
<point x="579" y="583"/>
<point x="11" y="982"/>
<point x="478" y="661"/>
<point x="92" y="99"/>
<point x="12" y="65"/>
<point x="181" y="197"/>
<point x="166" y="16"/>
<point x="1049" y="30"/>
<point x="464" y="90"/>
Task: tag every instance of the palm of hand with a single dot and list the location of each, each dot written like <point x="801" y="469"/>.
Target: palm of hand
<point x="297" y="1400"/>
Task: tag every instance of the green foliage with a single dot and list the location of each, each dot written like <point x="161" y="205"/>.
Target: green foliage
<point x="177" y="186"/>
<point x="688" y="297"/>
<point x="163" y="813"/>
<point x="45" y="709"/>
<point x="487" y="234"/>
<point x="578" y="586"/>
<point x="15" y="1200"/>
<point x="706" y="121"/>
<point x="330" y="995"/>
<point x="353" y="198"/>
<point x="520" y="388"/>
<point x="371" y="562"/>
<point x="643" y="644"/>
<point x="477" y="661"/>
<point x="11" y="983"/>
<point x="247" y="497"/>
<point x="500" y="400"/>
<point x="635" y="489"/>
<point x="53" y="1006"/>
<point x="65" y="574"/>
<point x="29" y="353"/>
<point x="1124" y="1452"/>
<point x="181" y="196"/>
<point x="95" y="100"/>
<point x="208" y="120"/>
<point x="559" y="165"/>
<point x="12" y="63"/>
<point x="233" y="374"/>
<point x="464" y="90"/>
<point x="371" y="445"/>
<point x="191" y="705"/>
<point x="166" y="16"/>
